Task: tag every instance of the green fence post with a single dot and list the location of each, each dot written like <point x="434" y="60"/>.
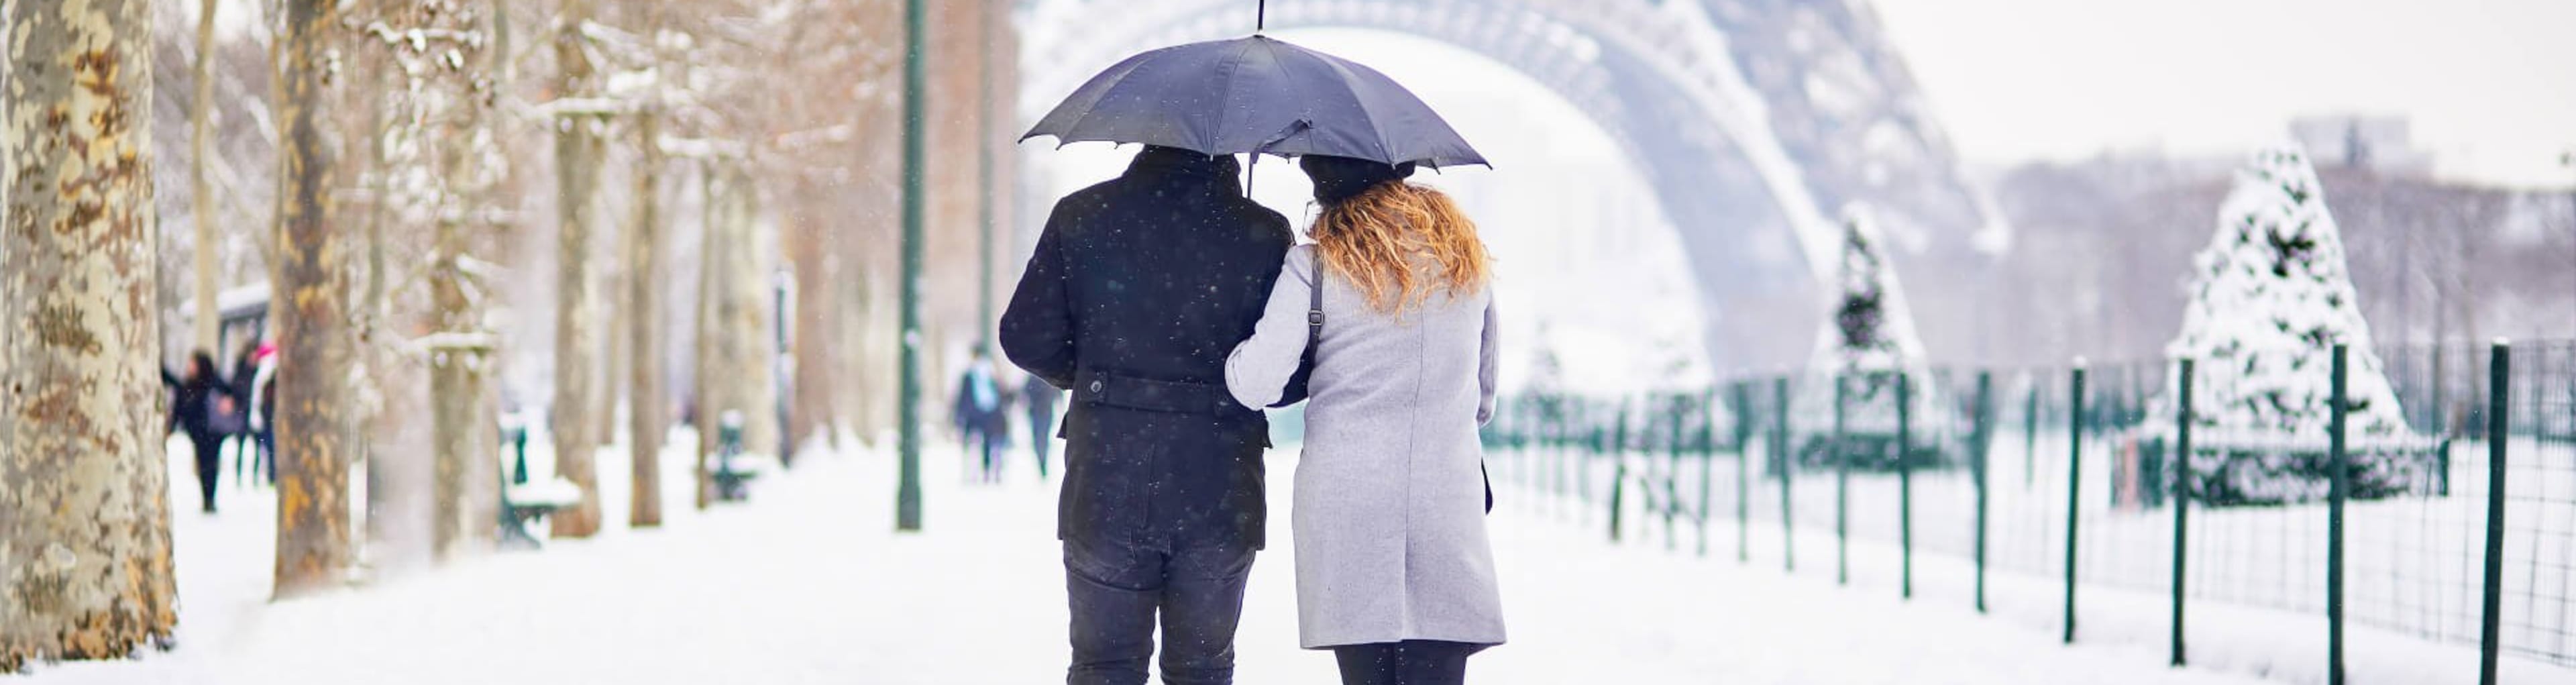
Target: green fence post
<point x="1842" y="482"/>
<point x="2181" y="461"/>
<point x="1744" y="472"/>
<point x="1618" y="451"/>
<point x="1781" y="456"/>
<point x="2489" y="631"/>
<point x="1707" y="459"/>
<point x="1673" y="470"/>
<point x="1564" y="448"/>
<point x="1905" y="479"/>
<point x="2030" y="437"/>
<point x="2337" y="489"/>
<point x="1979" y="447"/>
<point x="2074" y="485"/>
<point x="1585" y="457"/>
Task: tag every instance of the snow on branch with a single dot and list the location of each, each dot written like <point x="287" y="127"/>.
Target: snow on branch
<point x="575" y="107"/>
<point x="836" y="133"/>
<point x="702" y="148"/>
<point x="444" y="341"/>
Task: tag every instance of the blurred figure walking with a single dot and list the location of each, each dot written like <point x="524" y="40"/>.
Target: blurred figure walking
<point x="263" y="414"/>
<point x="1038" y="398"/>
<point x="250" y="451"/>
<point x="203" y="407"/>
<point x="979" y="417"/>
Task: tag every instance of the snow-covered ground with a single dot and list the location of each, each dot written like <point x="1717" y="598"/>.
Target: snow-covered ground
<point x="809" y="583"/>
<point x="2256" y="574"/>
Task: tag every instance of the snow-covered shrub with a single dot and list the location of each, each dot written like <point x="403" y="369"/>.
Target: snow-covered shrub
<point x="1868" y="342"/>
<point x="2270" y="298"/>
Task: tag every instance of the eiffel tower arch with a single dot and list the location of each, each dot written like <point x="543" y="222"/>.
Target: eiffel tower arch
<point x="1754" y="121"/>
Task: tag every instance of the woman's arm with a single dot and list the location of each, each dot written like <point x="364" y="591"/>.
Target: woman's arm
<point x="1257" y="371"/>
<point x="1486" y="363"/>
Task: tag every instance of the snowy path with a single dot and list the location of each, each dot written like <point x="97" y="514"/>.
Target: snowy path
<point x="808" y="584"/>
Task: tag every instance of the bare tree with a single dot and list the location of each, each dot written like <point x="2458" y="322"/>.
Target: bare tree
<point x="314" y="415"/>
<point x="579" y="147"/>
<point x="201" y="195"/>
<point x="646" y="411"/>
<point x="85" y="567"/>
<point x="442" y="51"/>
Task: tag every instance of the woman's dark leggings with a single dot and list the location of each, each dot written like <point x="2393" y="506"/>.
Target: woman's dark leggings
<point x="1411" y="662"/>
<point x="209" y="465"/>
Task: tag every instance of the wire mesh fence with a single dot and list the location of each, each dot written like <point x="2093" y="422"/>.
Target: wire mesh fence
<point x="2009" y="469"/>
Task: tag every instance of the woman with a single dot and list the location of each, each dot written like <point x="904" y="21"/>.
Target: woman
<point x="193" y="409"/>
<point x="1393" y="570"/>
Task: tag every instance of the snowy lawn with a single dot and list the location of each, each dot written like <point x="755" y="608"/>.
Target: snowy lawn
<point x="808" y="583"/>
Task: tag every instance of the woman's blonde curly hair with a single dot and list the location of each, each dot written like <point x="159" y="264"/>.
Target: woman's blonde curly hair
<point x="1397" y="242"/>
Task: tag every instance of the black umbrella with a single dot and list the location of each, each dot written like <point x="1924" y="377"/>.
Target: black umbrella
<point x="1256" y="95"/>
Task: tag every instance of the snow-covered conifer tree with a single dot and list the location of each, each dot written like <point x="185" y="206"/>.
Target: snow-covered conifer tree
<point x="2270" y="298"/>
<point x="1868" y="341"/>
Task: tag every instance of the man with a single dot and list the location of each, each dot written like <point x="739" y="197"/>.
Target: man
<point x="1139" y="288"/>
<point x="980" y="418"/>
<point x="1038" y="399"/>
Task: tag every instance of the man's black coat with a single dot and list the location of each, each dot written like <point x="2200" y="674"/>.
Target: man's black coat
<point x="1139" y="288"/>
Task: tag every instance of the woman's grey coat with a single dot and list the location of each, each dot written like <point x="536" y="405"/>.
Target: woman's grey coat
<point x="1389" y="506"/>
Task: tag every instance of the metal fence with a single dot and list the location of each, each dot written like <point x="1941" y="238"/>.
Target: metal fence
<point x="2450" y="517"/>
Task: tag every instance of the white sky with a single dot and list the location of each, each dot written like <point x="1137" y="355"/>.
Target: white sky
<point x="2490" y="85"/>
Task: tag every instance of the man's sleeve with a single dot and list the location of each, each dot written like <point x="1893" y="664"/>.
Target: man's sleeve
<point x="1037" y="330"/>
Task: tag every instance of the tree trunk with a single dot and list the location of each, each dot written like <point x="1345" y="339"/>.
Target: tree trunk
<point x="815" y="328"/>
<point x="383" y="438"/>
<point x="314" y="405"/>
<point x="645" y="409"/>
<point x="85" y="567"/>
<point x="207" y="323"/>
<point x="464" y="423"/>
<point x="578" y="149"/>
<point x="733" y="335"/>
<point x="711" y="263"/>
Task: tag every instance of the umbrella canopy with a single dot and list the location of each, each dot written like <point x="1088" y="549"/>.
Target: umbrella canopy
<point x="1257" y="95"/>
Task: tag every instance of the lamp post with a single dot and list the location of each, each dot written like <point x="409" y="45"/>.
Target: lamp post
<point x="907" y="507"/>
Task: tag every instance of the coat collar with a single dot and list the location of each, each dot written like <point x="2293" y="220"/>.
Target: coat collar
<point x="1159" y="160"/>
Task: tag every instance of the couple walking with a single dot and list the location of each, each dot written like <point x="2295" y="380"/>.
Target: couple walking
<point x="1175" y="309"/>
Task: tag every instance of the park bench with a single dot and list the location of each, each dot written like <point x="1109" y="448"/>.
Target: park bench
<point x="733" y="470"/>
<point x="525" y="503"/>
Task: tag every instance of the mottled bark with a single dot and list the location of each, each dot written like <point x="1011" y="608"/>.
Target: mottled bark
<point x="465" y="478"/>
<point x="815" y="332"/>
<point x="85" y="568"/>
<point x="647" y="412"/>
<point x="703" y="340"/>
<point x="578" y="150"/>
<point x="314" y="404"/>
<point x="201" y="188"/>
<point x="733" y="335"/>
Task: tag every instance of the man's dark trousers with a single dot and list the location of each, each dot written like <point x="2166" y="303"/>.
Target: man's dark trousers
<point x="1118" y="587"/>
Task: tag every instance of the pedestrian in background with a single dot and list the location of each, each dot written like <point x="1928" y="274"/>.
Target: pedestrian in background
<point x="981" y="424"/>
<point x="263" y="413"/>
<point x="1038" y="399"/>
<point x="201" y="405"/>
